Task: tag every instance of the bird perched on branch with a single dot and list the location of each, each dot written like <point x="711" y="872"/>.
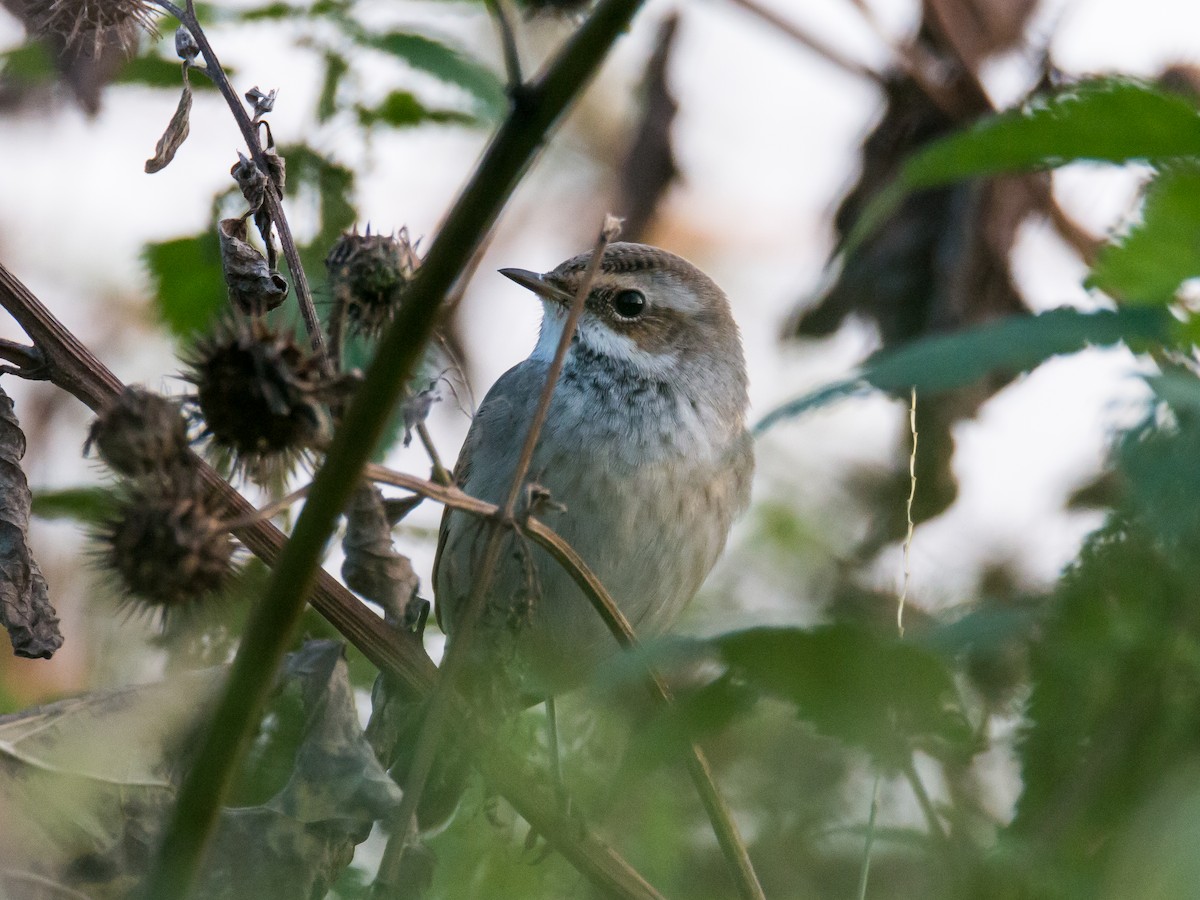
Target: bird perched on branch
<point x="642" y="465"/>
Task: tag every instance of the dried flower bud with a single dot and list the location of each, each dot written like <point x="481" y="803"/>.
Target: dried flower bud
<point x="251" y="179"/>
<point x="186" y="47"/>
<point x="262" y="103"/>
<point x="368" y="275"/>
<point x="139" y="433"/>
<point x="261" y="395"/>
<point x="75" y="21"/>
<point x="254" y="287"/>
<point x="166" y="546"/>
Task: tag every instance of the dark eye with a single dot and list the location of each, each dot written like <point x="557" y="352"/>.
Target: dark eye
<point x="629" y="304"/>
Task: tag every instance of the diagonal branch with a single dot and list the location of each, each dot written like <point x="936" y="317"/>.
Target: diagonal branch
<point x="276" y="618"/>
<point x="71" y="366"/>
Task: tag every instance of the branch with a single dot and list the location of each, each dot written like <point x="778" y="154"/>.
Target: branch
<point x="276" y="618"/>
<point x="272" y="200"/>
<point x="71" y="366"/>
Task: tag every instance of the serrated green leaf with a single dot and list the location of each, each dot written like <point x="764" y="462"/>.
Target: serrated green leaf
<point x="401" y="109"/>
<point x="1010" y="346"/>
<point x="881" y="694"/>
<point x="89" y="505"/>
<point x="189" y="286"/>
<point x="1114" y="120"/>
<point x="1163" y="251"/>
<point x="445" y="63"/>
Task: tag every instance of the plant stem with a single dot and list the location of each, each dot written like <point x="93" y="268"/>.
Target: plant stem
<point x="273" y="624"/>
<point x="272" y="200"/>
<point x="71" y="366"/>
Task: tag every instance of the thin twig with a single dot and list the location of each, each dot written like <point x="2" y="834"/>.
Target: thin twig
<point x="272" y="200"/>
<point x="908" y="514"/>
<point x="508" y="42"/>
<point x="864" y="873"/>
<point x="440" y="473"/>
<point x="918" y="788"/>
<point x="459" y="648"/>
<point x="270" y="511"/>
<point x="719" y="814"/>
<point x="815" y="44"/>
<point x="276" y="618"/>
<point x="72" y="367"/>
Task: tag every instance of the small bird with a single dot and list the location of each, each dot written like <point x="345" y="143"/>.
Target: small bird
<point x="642" y="466"/>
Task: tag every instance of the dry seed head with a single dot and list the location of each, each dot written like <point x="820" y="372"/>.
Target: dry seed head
<point x="165" y="545"/>
<point x="76" y="21"/>
<point x="139" y="433"/>
<point x="369" y="274"/>
<point x="261" y="395"/>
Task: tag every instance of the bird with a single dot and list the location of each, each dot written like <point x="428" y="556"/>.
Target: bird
<point x="642" y="466"/>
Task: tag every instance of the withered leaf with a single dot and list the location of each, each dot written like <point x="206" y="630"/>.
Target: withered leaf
<point x="25" y="608"/>
<point x="254" y="288"/>
<point x="92" y="780"/>
<point x="177" y="130"/>
<point x="372" y="566"/>
<point x="251" y="179"/>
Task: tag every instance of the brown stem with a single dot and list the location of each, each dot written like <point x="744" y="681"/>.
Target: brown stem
<point x="272" y="200"/>
<point x="72" y="367"/>
<point x="815" y="44"/>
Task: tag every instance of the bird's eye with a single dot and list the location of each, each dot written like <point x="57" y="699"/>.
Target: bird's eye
<point x="629" y="304"/>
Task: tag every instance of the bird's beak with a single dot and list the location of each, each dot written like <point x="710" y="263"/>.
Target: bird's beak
<point x="538" y="284"/>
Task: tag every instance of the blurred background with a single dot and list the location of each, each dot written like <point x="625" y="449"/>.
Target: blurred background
<point x="745" y="135"/>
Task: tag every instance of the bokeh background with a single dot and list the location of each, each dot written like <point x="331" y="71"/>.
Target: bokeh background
<point x="732" y="141"/>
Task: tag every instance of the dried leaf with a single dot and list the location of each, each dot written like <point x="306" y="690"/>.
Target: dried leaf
<point x="177" y="130"/>
<point x="254" y="288"/>
<point x="25" y="608"/>
<point x="372" y="566"/>
<point x="262" y="103"/>
<point x="186" y="47"/>
<point x="251" y="179"/>
<point x="650" y="166"/>
<point x="91" y="781"/>
<point x="416" y="408"/>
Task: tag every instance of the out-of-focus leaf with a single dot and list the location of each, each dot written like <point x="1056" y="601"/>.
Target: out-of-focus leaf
<point x="154" y="71"/>
<point x="176" y="133"/>
<point x="189" y="286"/>
<point x="1011" y="346"/>
<point x="89" y="784"/>
<point x="443" y="62"/>
<point x="32" y="63"/>
<point x="89" y="505"/>
<point x="1148" y="265"/>
<point x="1113" y="120"/>
<point x="401" y="109"/>
<point x="335" y="67"/>
<point x="1110" y="120"/>
<point x="881" y="694"/>
<point x="372" y="566"/>
<point x="25" y="609"/>
<point x="333" y="185"/>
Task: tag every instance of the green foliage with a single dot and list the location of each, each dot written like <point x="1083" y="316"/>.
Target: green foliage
<point x="880" y="694"/>
<point x="1148" y="265"/>
<point x="31" y="64"/>
<point x="87" y="505"/>
<point x="401" y="109"/>
<point x="188" y="285"/>
<point x="1008" y="347"/>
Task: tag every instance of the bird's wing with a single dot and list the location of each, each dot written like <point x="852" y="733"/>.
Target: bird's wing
<point x="506" y="407"/>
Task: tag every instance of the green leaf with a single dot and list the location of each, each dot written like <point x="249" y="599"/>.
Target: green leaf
<point x="445" y="63"/>
<point x="1114" y="120"/>
<point x="89" y="505"/>
<point x="1010" y="346"/>
<point x="400" y="109"/>
<point x="154" y="71"/>
<point x="335" y="67"/>
<point x="881" y="694"/>
<point x="188" y="283"/>
<point x="1163" y="251"/>
<point x="33" y="63"/>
